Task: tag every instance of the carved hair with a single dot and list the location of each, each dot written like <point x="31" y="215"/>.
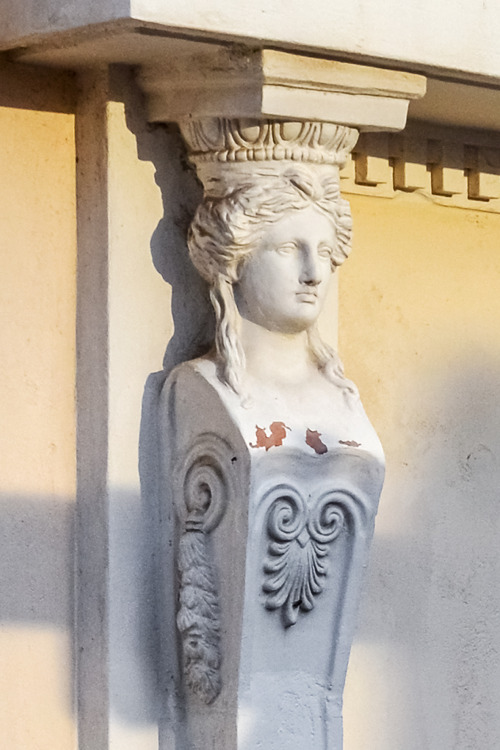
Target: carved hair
<point x="227" y="228"/>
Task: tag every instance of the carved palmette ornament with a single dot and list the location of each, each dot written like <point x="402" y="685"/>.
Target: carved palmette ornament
<point x="206" y="487"/>
<point x="299" y="535"/>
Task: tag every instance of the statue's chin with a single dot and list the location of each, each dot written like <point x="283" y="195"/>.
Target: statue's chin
<point x="300" y="320"/>
<point x="296" y="325"/>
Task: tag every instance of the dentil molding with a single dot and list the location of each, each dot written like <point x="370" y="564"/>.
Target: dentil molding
<point x="452" y="167"/>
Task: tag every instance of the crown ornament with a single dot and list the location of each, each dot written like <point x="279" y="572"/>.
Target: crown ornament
<point x="228" y="141"/>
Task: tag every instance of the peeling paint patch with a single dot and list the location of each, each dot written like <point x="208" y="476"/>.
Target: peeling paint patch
<point x="313" y="440"/>
<point x="350" y="443"/>
<point x="275" y="439"/>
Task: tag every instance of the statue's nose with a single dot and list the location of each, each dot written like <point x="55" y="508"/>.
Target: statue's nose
<point x="310" y="272"/>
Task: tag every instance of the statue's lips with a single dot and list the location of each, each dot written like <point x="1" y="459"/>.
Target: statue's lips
<point x="309" y="296"/>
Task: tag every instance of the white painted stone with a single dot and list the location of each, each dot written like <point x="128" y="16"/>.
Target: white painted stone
<point x="268" y="457"/>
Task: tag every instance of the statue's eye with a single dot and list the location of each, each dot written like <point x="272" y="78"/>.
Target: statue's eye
<point x="287" y="248"/>
<point x="325" y="251"/>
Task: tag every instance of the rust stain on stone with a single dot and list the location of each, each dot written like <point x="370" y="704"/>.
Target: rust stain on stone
<point x="350" y="443"/>
<point x="313" y="440"/>
<point x="278" y="434"/>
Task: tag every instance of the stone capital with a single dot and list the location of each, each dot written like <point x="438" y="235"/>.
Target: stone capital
<point x="236" y="82"/>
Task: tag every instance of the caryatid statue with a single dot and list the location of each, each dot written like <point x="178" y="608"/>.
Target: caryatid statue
<point x="269" y="460"/>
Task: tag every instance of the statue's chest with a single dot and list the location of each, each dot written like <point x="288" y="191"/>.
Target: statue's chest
<point x="310" y="424"/>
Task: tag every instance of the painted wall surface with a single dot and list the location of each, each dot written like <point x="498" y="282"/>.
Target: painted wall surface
<point x="419" y="312"/>
<point x="37" y="436"/>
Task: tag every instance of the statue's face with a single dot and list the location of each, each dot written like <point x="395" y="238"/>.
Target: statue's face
<point x="283" y="283"/>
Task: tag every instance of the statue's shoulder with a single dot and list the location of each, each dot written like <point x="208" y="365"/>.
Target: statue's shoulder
<point x="191" y="390"/>
<point x="193" y="407"/>
<point x="193" y="373"/>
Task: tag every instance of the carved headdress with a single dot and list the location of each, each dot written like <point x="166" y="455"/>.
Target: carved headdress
<point x="226" y="151"/>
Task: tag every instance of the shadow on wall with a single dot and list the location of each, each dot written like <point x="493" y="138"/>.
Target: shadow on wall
<point x="36" y="560"/>
<point x="133" y="618"/>
<point x="429" y="629"/>
<point x="181" y="193"/>
<point x="37" y="539"/>
<point x="37" y="535"/>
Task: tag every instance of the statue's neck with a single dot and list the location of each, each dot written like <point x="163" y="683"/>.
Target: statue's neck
<point x="275" y="357"/>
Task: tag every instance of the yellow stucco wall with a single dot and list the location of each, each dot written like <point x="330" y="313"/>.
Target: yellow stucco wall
<point x="37" y="437"/>
<point x="419" y="317"/>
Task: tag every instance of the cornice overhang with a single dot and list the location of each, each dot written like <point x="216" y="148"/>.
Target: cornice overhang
<point x="462" y="97"/>
<point x="458" y="41"/>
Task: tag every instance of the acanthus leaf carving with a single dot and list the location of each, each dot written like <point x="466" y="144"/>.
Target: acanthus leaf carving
<point x="198" y="616"/>
<point x="205" y="488"/>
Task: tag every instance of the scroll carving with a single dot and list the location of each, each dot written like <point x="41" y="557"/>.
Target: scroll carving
<point x="297" y="558"/>
<point x="205" y="493"/>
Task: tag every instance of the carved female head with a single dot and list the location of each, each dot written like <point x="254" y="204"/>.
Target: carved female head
<point x="230" y="228"/>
